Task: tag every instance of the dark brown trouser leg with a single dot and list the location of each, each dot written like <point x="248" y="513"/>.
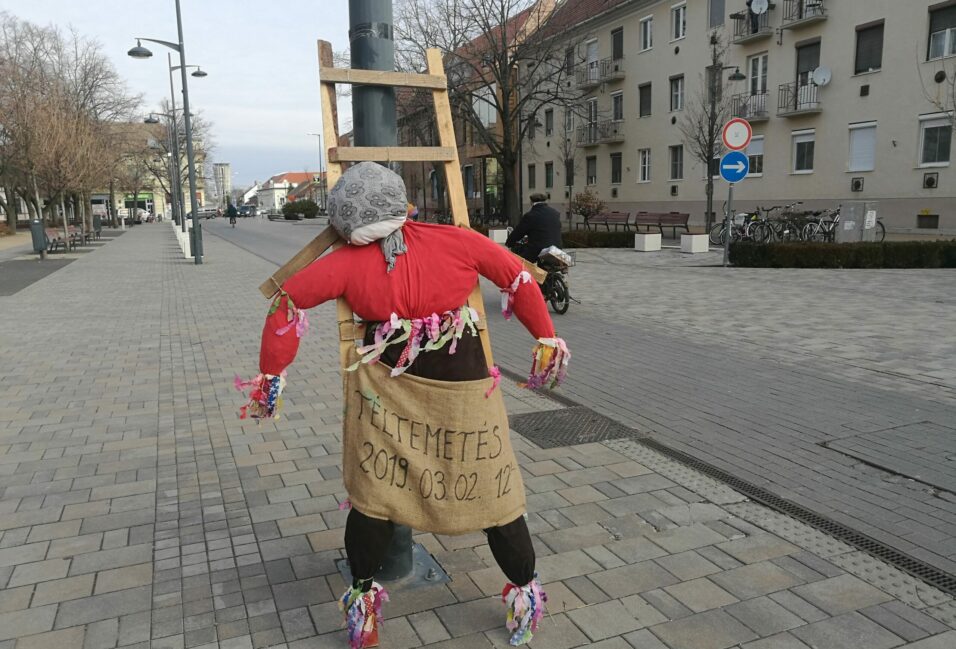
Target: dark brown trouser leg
<point x="512" y="548"/>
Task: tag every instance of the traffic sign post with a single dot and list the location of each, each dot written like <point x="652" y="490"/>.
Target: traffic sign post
<point x="734" y="167"/>
<point x="736" y="134"/>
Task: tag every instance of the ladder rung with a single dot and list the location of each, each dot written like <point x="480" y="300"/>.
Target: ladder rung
<point x="392" y="154"/>
<point x="381" y="78"/>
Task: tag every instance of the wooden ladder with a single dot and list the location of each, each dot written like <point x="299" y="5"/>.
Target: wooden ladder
<point x="446" y="153"/>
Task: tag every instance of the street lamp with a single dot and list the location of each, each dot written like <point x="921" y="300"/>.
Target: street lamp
<point x="321" y="176"/>
<point x="140" y="52"/>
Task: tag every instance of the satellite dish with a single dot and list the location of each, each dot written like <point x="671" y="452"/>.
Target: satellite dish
<point x="822" y="75"/>
<point x="760" y="6"/>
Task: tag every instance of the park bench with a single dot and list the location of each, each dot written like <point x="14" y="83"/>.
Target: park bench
<point x="54" y="238"/>
<point x="609" y="219"/>
<point x="79" y="237"/>
<point x="661" y="220"/>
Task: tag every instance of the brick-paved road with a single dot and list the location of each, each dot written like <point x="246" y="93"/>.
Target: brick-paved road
<point x="136" y="511"/>
<point x="753" y="369"/>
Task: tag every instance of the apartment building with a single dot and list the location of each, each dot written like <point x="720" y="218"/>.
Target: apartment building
<point x="840" y="94"/>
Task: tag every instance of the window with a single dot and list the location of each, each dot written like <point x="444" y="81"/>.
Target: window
<point x="755" y="154"/>
<point x="569" y="172"/>
<point x="715" y="166"/>
<point x="942" y="32"/>
<point x="647" y="33"/>
<point x="532" y="127"/>
<point x="548" y="175"/>
<point x="644" y="99"/>
<point x="679" y="22"/>
<point x="677" y="93"/>
<point x="927" y="221"/>
<point x="483" y="103"/>
<point x="616" y="161"/>
<point x="936" y="133"/>
<point x="644" y="159"/>
<point x="568" y="120"/>
<point x="617" y="44"/>
<point x="757" y="70"/>
<point x="803" y="142"/>
<point x="862" y="147"/>
<point x="468" y="175"/>
<point x="716" y="13"/>
<point x="532" y="169"/>
<point x="677" y="162"/>
<point x="869" y="49"/>
<point x="592" y="170"/>
<point x="617" y="106"/>
<point x="549" y="122"/>
<point x="569" y="61"/>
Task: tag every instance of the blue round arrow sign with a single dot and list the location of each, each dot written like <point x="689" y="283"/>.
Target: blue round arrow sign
<point x="734" y="166"/>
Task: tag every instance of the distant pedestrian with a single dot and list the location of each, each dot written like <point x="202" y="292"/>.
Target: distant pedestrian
<point x="232" y="213"/>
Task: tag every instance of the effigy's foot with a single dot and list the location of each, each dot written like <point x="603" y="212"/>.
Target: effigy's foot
<point x="362" y="605"/>
<point x="525" y="610"/>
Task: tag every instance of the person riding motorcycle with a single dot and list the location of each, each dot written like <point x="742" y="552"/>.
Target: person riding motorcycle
<point x="541" y="225"/>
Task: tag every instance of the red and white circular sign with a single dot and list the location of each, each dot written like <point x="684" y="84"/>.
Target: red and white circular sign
<point x="737" y="133"/>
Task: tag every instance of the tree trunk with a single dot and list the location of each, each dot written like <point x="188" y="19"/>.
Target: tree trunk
<point x="710" y="202"/>
<point x="9" y="204"/>
<point x="511" y="207"/>
<point x="36" y="192"/>
<point x="66" y="226"/>
<point x="112" y="206"/>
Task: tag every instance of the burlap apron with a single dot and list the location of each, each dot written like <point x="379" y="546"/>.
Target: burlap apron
<point x="433" y="455"/>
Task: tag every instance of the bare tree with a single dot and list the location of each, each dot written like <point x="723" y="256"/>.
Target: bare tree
<point x="704" y="115"/>
<point x="504" y="65"/>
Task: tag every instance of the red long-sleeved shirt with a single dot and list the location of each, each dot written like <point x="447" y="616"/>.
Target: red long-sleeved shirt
<point x="437" y="274"/>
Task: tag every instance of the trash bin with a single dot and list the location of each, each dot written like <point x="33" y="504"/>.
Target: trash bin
<point x="38" y="234"/>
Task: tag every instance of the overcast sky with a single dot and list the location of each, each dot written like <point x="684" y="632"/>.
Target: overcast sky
<point x="262" y="90"/>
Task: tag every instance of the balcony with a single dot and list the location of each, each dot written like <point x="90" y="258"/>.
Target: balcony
<point x="750" y="27"/>
<point x="794" y="99"/>
<point x="797" y="13"/>
<point x="592" y="74"/>
<point x="752" y="108"/>
<point x="607" y="132"/>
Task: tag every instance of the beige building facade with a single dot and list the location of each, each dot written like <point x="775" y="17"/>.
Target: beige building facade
<point x="847" y="99"/>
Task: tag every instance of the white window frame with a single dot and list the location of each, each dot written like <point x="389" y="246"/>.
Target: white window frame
<point x="858" y="127"/>
<point x="755" y="140"/>
<point x="799" y="137"/>
<point x="568" y="120"/>
<point x="620" y="156"/>
<point x="678" y="11"/>
<point x="548" y="185"/>
<point x="670" y="171"/>
<point x="484" y="104"/>
<point x="590" y="181"/>
<point x="680" y="93"/>
<point x="934" y="120"/>
<point x="647" y="33"/>
<point x="650" y="113"/>
<point x="949" y="44"/>
<point x="548" y="131"/>
<point x="643" y="165"/>
<point x="764" y="58"/>
<point x="532" y="176"/>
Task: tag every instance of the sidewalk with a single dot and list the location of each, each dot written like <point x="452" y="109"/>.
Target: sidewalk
<point x="136" y="510"/>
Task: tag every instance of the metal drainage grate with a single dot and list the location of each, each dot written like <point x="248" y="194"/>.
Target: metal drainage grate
<point x="568" y="427"/>
<point x="919" y="569"/>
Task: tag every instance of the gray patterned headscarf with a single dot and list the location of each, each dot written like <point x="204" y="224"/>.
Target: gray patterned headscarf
<point x="368" y="204"/>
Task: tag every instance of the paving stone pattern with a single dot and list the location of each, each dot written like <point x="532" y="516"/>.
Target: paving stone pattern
<point x="137" y="511"/>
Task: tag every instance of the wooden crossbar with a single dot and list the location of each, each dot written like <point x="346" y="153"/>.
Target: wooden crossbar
<point x="379" y="78"/>
<point x="393" y="154"/>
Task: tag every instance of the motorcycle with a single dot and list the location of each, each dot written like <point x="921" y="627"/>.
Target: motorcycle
<point x="555" y="262"/>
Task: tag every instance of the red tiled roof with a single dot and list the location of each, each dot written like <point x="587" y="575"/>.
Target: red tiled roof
<point x="572" y="13"/>
<point x="294" y="177"/>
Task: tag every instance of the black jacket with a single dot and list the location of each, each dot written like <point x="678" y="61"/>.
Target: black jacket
<point x="542" y="226"/>
<point x="232" y="212"/>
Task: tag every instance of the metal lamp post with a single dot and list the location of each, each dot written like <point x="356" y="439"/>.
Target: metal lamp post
<point x="714" y="79"/>
<point x="321" y="176"/>
<point x="140" y="52"/>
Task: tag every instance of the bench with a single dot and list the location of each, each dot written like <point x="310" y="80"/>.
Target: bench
<point x="54" y="239"/>
<point x="79" y="237"/>
<point x="609" y="219"/>
<point x="661" y="220"/>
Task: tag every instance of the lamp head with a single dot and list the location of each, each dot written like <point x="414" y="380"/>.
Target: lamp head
<point x="152" y="119"/>
<point x="139" y="52"/>
<point x="199" y="73"/>
<point x="737" y="76"/>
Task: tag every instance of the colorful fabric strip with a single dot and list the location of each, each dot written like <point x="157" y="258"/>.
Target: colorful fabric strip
<point x="549" y="365"/>
<point x="265" y="396"/>
<point x="525" y="610"/>
<point x="508" y="294"/>
<point x="363" y="611"/>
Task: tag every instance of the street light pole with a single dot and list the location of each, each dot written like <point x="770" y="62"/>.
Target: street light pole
<point x="181" y="218"/>
<point x="321" y="176"/>
<point x="190" y="159"/>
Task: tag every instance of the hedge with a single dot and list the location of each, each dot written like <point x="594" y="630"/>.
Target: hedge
<point x="889" y="254"/>
<point x="593" y="239"/>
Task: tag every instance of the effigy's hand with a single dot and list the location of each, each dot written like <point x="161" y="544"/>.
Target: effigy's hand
<point x="265" y="396"/>
<point x="549" y="365"/>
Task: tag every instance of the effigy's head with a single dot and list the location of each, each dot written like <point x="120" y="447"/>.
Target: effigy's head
<point x="368" y="204"/>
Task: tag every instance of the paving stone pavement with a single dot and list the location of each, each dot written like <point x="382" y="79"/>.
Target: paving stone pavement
<point x="137" y="511"/>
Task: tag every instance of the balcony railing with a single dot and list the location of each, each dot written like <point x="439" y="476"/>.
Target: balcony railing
<point x="607" y="132"/>
<point x="797" y="13"/>
<point x="594" y="73"/>
<point x="750" y="107"/>
<point x="749" y="26"/>
<point x="798" y="99"/>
